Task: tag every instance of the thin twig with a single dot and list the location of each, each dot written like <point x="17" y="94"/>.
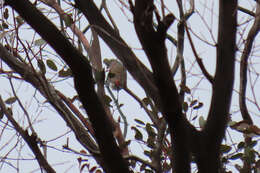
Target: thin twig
<point x="22" y="107"/>
<point x="147" y="163"/>
<point x="243" y="65"/>
<point x="119" y="110"/>
<point x="84" y="121"/>
<point x="198" y="59"/>
<point x="104" y="5"/>
<point x="244" y="10"/>
<point x="163" y="8"/>
<point x="151" y="115"/>
<point x="31" y="140"/>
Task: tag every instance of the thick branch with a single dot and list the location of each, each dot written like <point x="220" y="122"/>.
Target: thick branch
<point x="139" y="72"/>
<point x="215" y="127"/>
<point x="37" y="81"/>
<point x="153" y="43"/>
<point x="84" y="82"/>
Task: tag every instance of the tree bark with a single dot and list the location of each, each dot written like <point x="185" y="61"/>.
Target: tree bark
<point x="208" y="156"/>
<point x="83" y="80"/>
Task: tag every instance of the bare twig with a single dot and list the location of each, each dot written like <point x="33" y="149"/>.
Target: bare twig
<point x="104" y="5"/>
<point x="84" y="121"/>
<point x="163" y="8"/>
<point x="96" y="62"/>
<point x="119" y="110"/>
<point x="74" y="151"/>
<point x="198" y="59"/>
<point x="44" y="88"/>
<point x="190" y="11"/>
<point x="53" y="4"/>
<point x="156" y="157"/>
<point x="153" y="117"/>
<point x="244" y="10"/>
<point x="180" y="43"/>
<point x="147" y="163"/>
<point x="243" y="65"/>
<point x="31" y="140"/>
<point x="22" y="107"/>
<point x="243" y="75"/>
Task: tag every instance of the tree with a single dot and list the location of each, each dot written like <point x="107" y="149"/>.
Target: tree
<point x="173" y="141"/>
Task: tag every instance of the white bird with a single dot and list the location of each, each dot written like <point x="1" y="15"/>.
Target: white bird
<point x="116" y="74"/>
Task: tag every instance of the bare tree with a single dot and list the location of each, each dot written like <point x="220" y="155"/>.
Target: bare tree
<point x="173" y="140"/>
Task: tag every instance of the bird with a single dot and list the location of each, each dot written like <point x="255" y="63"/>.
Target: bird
<point x="117" y="75"/>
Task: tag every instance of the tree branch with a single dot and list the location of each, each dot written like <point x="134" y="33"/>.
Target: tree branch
<point x="139" y="72"/>
<point x="243" y="65"/>
<point x="198" y="59"/>
<point x="216" y="123"/>
<point x="132" y="157"/>
<point x="96" y="61"/>
<point x="243" y="76"/>
<point x="31" y="140"/>
<point x="84" y="121"/>
<point x="48" y="91"/>
<point x="246" y="11"/>
<point x="83" y="82"/>
<point x="153" y="43"/>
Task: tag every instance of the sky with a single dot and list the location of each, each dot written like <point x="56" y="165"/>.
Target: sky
<point x="49" y="125"/>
